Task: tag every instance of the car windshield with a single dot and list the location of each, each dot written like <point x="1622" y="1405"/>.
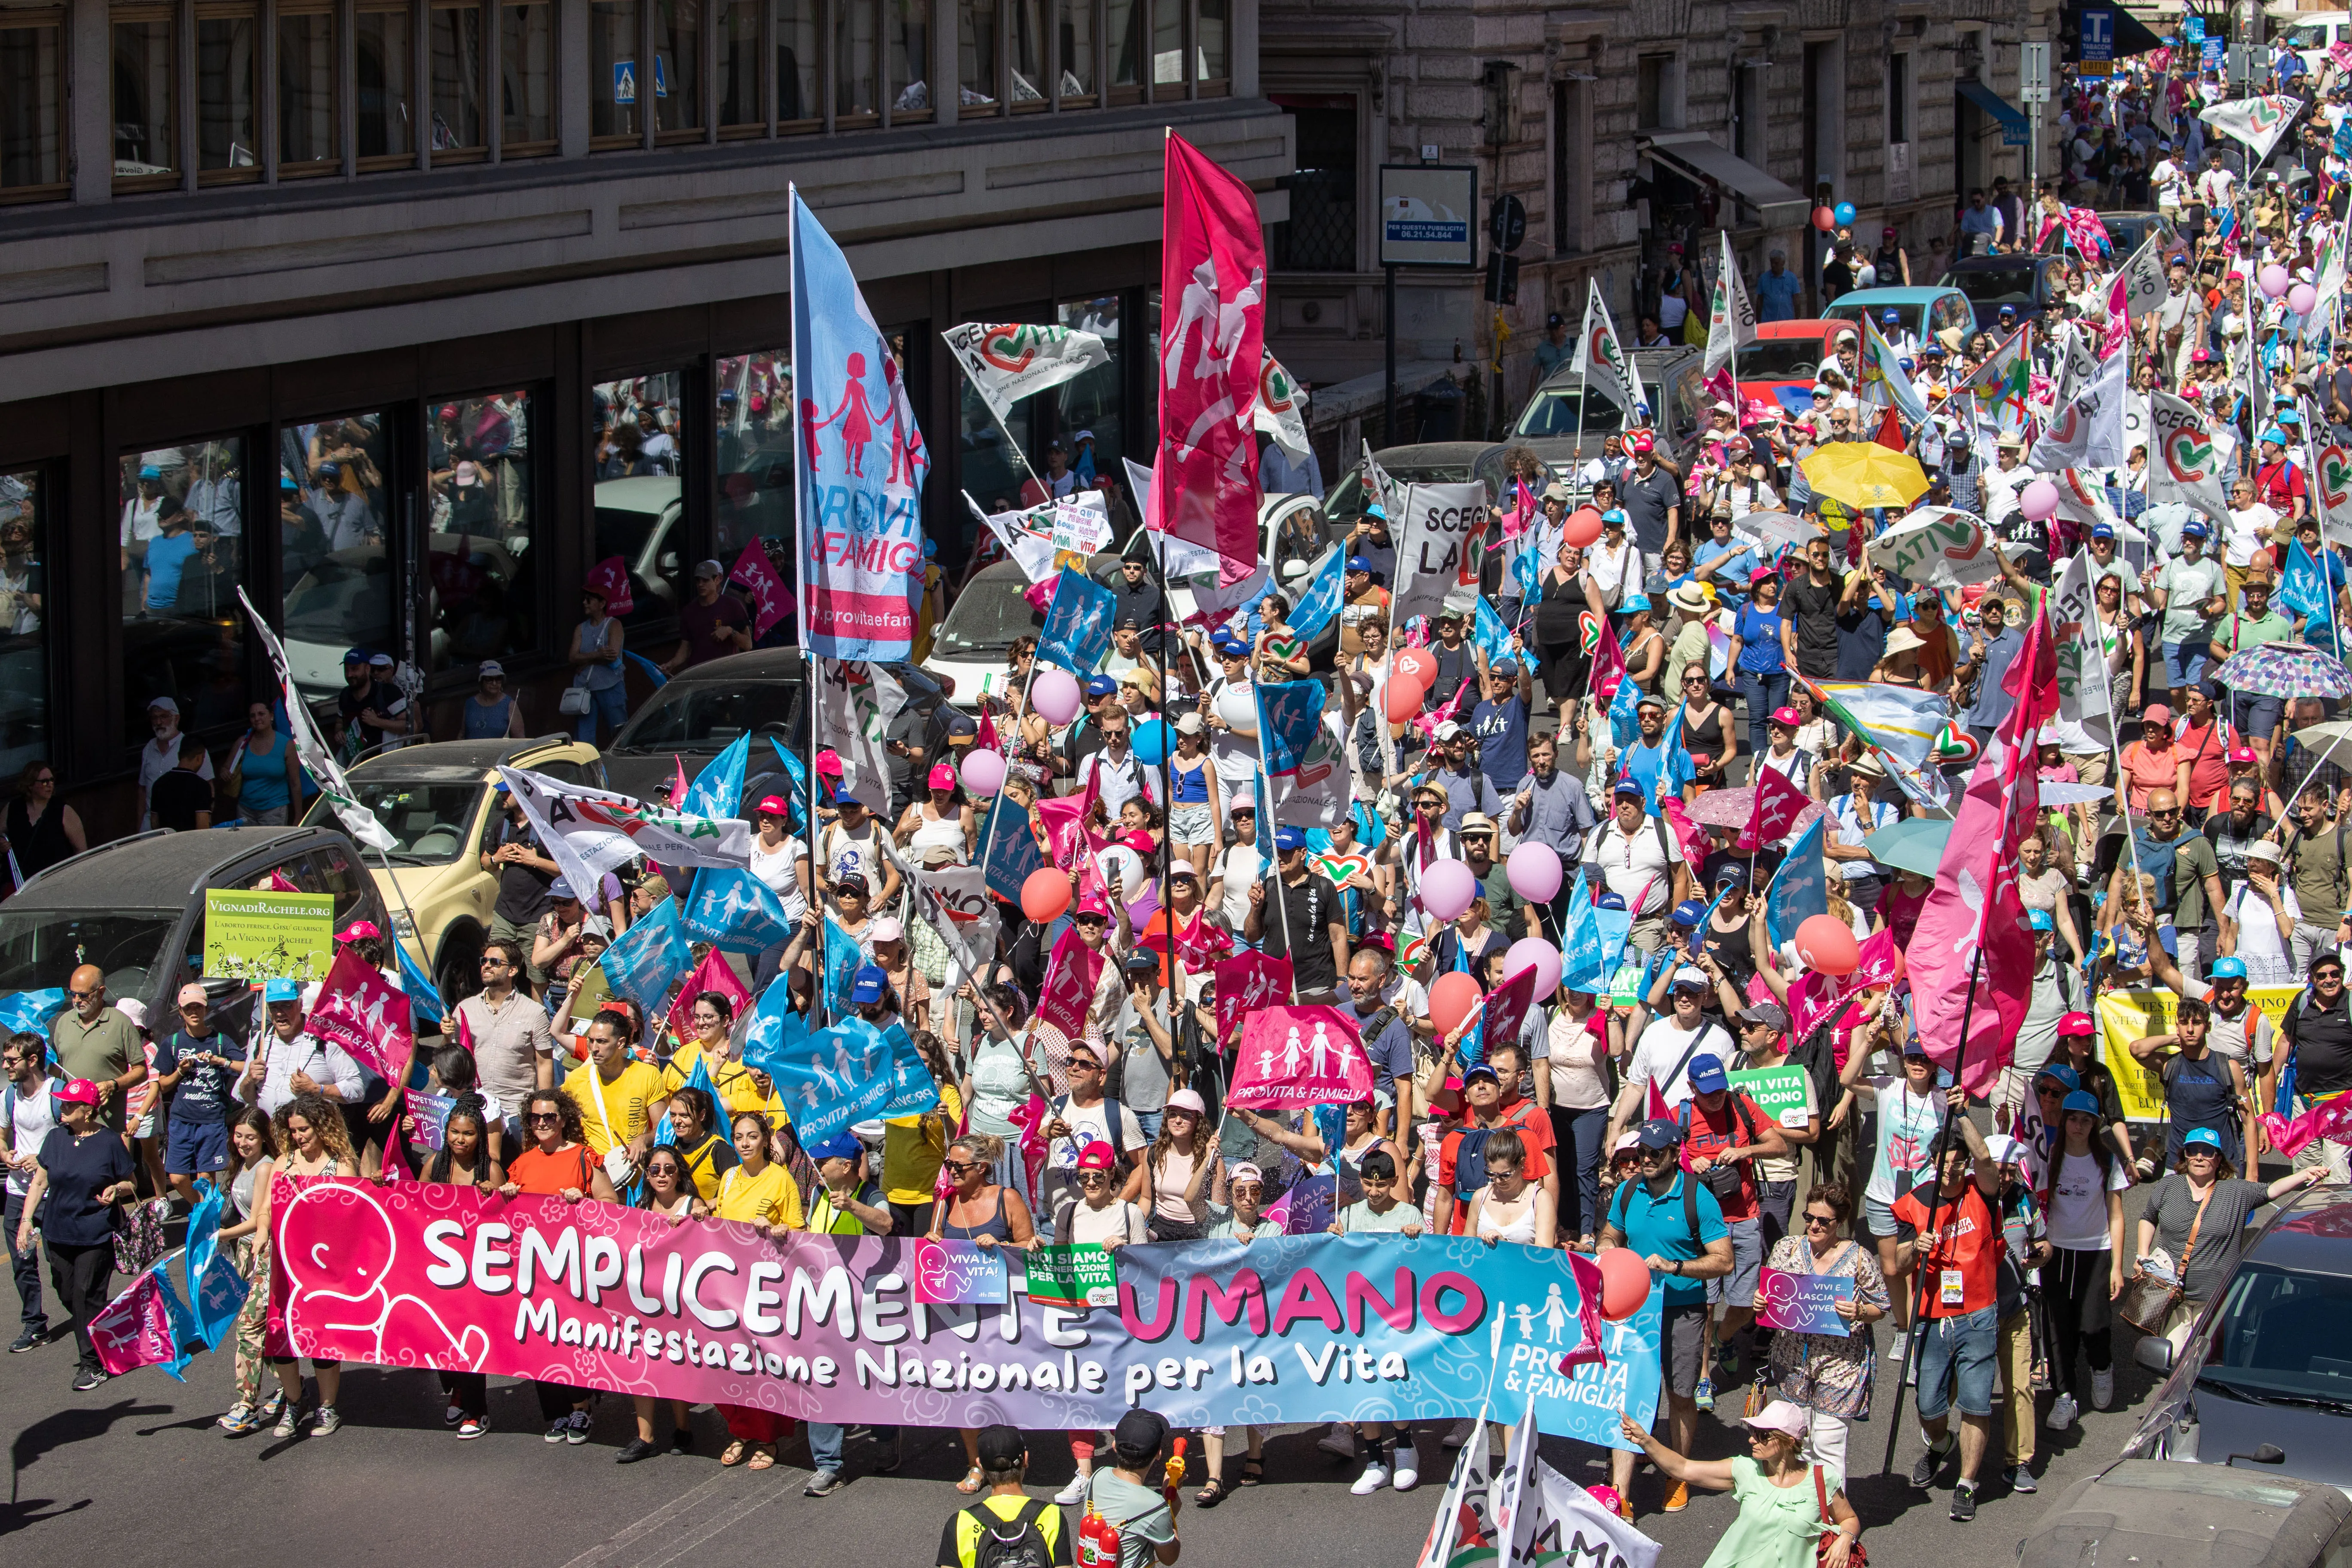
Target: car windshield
<point x="1566" y="411"/>
<point x="1905" y="316"/>
<point x="2276" y="1342"/>
<point x="38" y="948"/>
<point x="1995" y="285"/>
<point x="1784" y="359"/>
<point x="429" y="822"/>
<point x="704" y="716"/>
<point x="986" y="620"/>
<point x="1345" y="501"/>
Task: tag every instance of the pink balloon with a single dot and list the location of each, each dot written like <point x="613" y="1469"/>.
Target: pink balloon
<point x="1533" y="952"/>
<point x="1534" y="870"/>
<point x="983" y="774"/>
<point x="1447" y="886"/>
<point x="2274" y="279"/>
<point x="1826" y="943"/>
<point x="2302" y="298"/>
<point x="2039" y="500"/>
<point x="1056" y="695"/>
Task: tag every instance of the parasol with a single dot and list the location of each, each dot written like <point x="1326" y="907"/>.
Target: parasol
<point x="1863" y="474"/>
<point x="2286" y="669"/>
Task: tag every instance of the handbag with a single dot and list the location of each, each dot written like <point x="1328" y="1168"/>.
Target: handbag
<point x="1856" y="1555"/>
<point x="619" y="1169"/>
<point x="2149" y="1299"/>
<point x="574" y="701"/>
<point x="139" y="1239"/>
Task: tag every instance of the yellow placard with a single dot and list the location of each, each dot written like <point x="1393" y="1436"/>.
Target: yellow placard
<point x="2126" y="1015"/>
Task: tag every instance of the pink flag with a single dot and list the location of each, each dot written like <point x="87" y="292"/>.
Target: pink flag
<point x="1778" y="804"/>
<point x="1592" y="1347"/>
<point x="770" y="601"/>
<point x="1071" y="975"/>
<point x="1293" y="1057"/>
<point x="610" y="577"/>
<point x="1031" y="1119"/>
<point x="677" y="787"/>
<point x="2032" y="682"/>
<point x="135" y="1330"/>
<point x="1066" y="839"/>
<point x="713" y="973"/>
<point x="1608" y="658"/>
<point x="1246" y="981"/>
<point x="2330" y="1119"/>
<point x="1507" y="1005"/>
<point x="1975" y="909"/>
<point x="281" y="883"/>
<point x="1039" y="596"/>
<point x="1211" y="336"/>
<point x="365" y="1014"/>
<point x="1816" y="997"/>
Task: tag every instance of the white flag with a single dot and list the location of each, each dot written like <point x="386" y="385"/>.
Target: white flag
<point x="1599" y="358"/>
<point x="2258" y="122"/>
<point x="1464" y="1517"/>
<point x="1028" y="536"/>
<point x="588" y="832"/>
<point x="1006" y="361"/>
<point x="1731" y="315"/>
<point x="1317" y="796"/>
<point x="310" y="747"/>
<point x="1561" y="1522"/>
<point x="2183" y="463"/>
<point x="2145" y="286"/>
<point x="2081" y="664"/>
<point x="2087" y="432"/>
<point x="1280" y="412"/>
<point x="855" y="705"/>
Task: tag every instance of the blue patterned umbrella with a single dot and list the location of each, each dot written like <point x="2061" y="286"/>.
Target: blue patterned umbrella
<point x="2286" y="669"/>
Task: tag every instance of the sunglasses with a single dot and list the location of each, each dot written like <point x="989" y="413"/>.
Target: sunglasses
<point x="538" y="1117"/>
<point x="1094" y="1178"/>
<point x="960" y="1167"/>
<point x="1827" y="1221"/>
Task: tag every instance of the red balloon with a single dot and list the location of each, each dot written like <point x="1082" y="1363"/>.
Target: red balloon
<point x="1826" y="945"/>
<point x="1417" y="663"/>
<point x="1625" y="1282"/>
<point x="1045" y="894"/>
<point x="1451" y="997"/>
<point x="1824" y="219"/>
<point x="1580" y="527"/>
<point x="1403" y="699"/>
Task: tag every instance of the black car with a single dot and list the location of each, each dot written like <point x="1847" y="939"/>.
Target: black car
<point x="2149" y="1514"/>
<point x="702" y="710"/>
<point x="135" y="907"/>
<point x="2264" y="1368"/>
<point x="2021" y="282"/>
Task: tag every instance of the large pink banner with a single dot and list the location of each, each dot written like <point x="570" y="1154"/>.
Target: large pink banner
<point x="1212" y="328"/>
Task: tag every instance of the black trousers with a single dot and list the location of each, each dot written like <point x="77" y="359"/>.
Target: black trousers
<point x="2080" y="1317"/>
<point x="470" y="1391"/>
<point x="79" y="1276"/>
<point x="556" y="1399"/>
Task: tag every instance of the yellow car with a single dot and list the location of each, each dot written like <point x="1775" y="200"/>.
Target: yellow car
<point x="440" y="804"/>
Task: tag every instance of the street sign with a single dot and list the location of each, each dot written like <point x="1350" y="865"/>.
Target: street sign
<point x="1507" y="224"/>
<point x="2034" y="71"/>
<point x="625" y="81"/>
<point x="2098" y="35"/>
<point x="1426" y="214"/>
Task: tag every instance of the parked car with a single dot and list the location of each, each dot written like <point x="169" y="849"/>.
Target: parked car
<point x="135" y="907"/>
<point x="1921" y="310"/>
<point x="2148" y="1514"/>
<point x="2262" y="1367"/>
<point x="639" y="519"/>
<point x="1424" y="463"/>
<point x="700" y="712"/>
<point x="439" y="803"/>
<point x="2024" y="283"/>
<point x="1780" y="364"/>
<point x="344" y="599"/>
<point x="2129" y="230"/>
<point x="1567" y="419"/>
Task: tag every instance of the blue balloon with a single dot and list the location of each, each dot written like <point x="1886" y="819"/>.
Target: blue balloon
<point x="1153" y="741"/>
<point x="1847" y="212"/>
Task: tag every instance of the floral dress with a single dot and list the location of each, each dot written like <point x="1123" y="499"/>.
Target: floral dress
<point x="1830" y="1373"/>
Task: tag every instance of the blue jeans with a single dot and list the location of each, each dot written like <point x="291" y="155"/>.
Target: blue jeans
<point x="26" y="1266"/>
<point x="1762" y="691"/>
<point x="1149" y="1122"/>
<point x="1969" y="1346"/>
<point x="2184" y="665"/>
<point x="824" y="1446"/>
<point x="1576" y="1135"/>
<point x="609" y="707"/>
<point x="2255" y="715"/>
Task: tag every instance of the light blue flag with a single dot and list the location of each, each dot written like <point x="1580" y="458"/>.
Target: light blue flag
<point x="1625" y="714"/>
<point x="1077" y="623"/>
<point x="698" y="1078"/>
<point x="2304" y="589"/>
<point x="652" y="671"/>
<point x="717" y="789"/>
<point x="842" y="958"/>
<point x="858" y="460"/>
<point x="649" y="958"/>
<point x="1677" y="771"/>
<point x="913" y="1090"/>
<point x="1583" y="965"/>
<point x="186" y="1337"/>
<point x="735" y="910"/>
<point x="29" y="1012"/>
<point x="838" y="1077"/>
<point x="1527" y="574"/>
<point x="424" y="996"/>
<point x="1616" y="923"/>
<point x="216" y="1296"/>
<point x="204" y="1230"/>
<point x="1289" y="713"/>
<point x="797" y="771"/>
<point x="1318" y="604"/>
<point x="1802" y="888"/>
<point x="1008" y="849"/>
<point x="1488" y="632"/>
<point x="775" y="1031"/>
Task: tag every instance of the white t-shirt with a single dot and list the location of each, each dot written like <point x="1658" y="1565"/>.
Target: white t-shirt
<point x="1638" y="869"/>
<point x="2078" y="1204"/>
<point x="33" y="1115"/>
<point x="2245" y="531"/>
<point x="1091" y="1124"/>
<point x="1241" y="867"/>
<point x="1662" y="1047"/>
<point x="1907" y="1125"/>
<point x="779" y="871"/>
<point x="859" y="856"/>
<point x="2264" y="954"/>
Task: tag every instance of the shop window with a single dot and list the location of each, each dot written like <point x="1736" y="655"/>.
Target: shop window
<point x="751" y="410"/>
<point x="24" y="606"/>
<point x="638" y="440"/>
<point x="146" y="100"/>
<point x="527" y="79"/>
<point x="1127" y="22"/>
<point x="677" y="68"/>
<point x="457" y="45"/>
<point x="1214" y="48"/>
<point x="227" y="145"/>
<point x="976" y="54"/>
<point x="800" y="65"/>
<point x="1092" y="404"/>
<point x="907" y="59"/>
<point x="387" y="58"/>
<point x="1025" y="44"/>
<point x="1076" y="54"/>
<point x="481" y="593"/>
<point x="857" y="40"/>
<point x="335" y="551"/>
<point x="740" y="111"/>
<point x="32" y="106"/>
<point x="614" y="89"/>
<point x="181" y="551"/>
<point x="309" y="129"/>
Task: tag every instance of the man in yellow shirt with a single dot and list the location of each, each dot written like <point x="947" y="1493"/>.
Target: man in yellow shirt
<point x="620" y="1099"/>
<point x="912" y="1150"/>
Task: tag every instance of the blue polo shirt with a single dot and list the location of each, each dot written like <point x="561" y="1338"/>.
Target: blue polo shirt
<point x="1657" y="1228"/>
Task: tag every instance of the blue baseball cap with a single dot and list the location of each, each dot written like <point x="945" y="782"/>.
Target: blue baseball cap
<point x="1377" y="510"/>
<point x="281" y="991"/>
<point x="2201" y="1138"/>
<point x="2288" y="416"/>
<point x="1690" y="912"/>
<point x="842" y="1146"/>
<point x="2039" y="920"/>
<point x="1706" y="1074"/>
<point x="2226" y="969"/>
<point x="1891" y="316"/>
<point x="1634" y="602"/>
<point x="1615" y="514"/>
<point x="2064" y="1076"/>
<point x="2082" y="1100"/>
<point x="1101" y="686"/>
<point x="1658" y="1133"/>
<point x="561" y="889"/>
<point x="1285" y="839"/>
<point x="2102" y="531"/>
<point x="150" y="471"/>
<point x="2273" y="435"/>
<point x="869" y="984"/>
<point x="2195" y="529"/>
<point x="357" y="655"/>
<point x="1357" y="563"/>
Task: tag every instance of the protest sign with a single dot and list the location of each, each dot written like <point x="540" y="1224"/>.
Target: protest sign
<point x="1804" y="1303"/>
<point x="430" y="1114"/>
<point x="260" y="936"/>
<point x="1074" y="1278"/>
<point x="958" y="1274"/>
<point x="1585" y="1403"/>
<point x="1293" y="1057"/>
<point x="1782" y="1093"/>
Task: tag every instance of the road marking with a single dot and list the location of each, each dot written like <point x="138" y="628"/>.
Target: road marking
<point x="702" y="1506"/>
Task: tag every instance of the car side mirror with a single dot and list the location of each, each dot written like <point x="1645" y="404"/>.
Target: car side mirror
<point x="2155" y="1353"/>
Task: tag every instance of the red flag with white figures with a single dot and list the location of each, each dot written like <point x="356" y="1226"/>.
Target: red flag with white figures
<point x="1507" y="1006"/>
<point x="1975" y="907"/>
<point x="135" y="1330"/>
<point x="1212" y="338"/>
<point x="1071" y="975"/>
<point x="713" y="973"/>
<point x="1817" y="998"/>
<point x="1778" y="804"/>
<point x="1293" y="1057"/>
<point x="1246" y="981"/>
<point x="2031" y="681"/>
<point x="610" y="577"/>
<point x="1198" y="943"/>
<point x="365" y="1015"/>
<point x="770" y="601"/>
<point x="1608" y="658"/>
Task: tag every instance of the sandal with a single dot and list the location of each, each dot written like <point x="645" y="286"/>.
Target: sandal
<point x="1213" y="1494"/>
<point x="1253" y="1472"/>
<point x="970" y="1483"/>
<point x="734" y="1453"/>
<point x="763" y="1456"/>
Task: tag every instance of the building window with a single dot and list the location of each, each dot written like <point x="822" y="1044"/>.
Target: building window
<point x="800" y="67"/>
<point x="752" y="403"/>
<point x="1167" y="50"/>
<point x="976" y="54"/>
<point x="1319" y="235"/>
<point x="856" y="94"/>
<point x="1898" y="97"/>
<point x="638" y="440"/>
<point x="460" y="68"/>
<point x="527" y="71"/>
<point x="334" y="510"/>
<point x="1076" y="56"/>
<point x="146" y="100"/>
<point x="1572" y="167"/>
<point x="1127" y="22"/>
<point x="386" y="56"/>
<point x="677" y="68"/>
<point x="32" y="106"/>
<point x="227" y="145"/>
<point x="907" y="58"/>
<point x="310" y="130"/>
<point x="741" y="111"/>
<point x="995" y="462"/>
<point x="1025" y="48"/>
<point x="24" y="605"/>
<point x="1751" y="133"/>
<point x="1092" y="405"/>
<point x="183" y="537"/>
<point x="615" y="88"/>
<point x="1658" y="92"/>
<point x="1214" y="50"/>
<point x="477" y="554"/>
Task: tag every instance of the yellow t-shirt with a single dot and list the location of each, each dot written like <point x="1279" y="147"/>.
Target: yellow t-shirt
<point x="912" y="1148"/>
<point x="626" y="1097"/>
<point x="737" y="1091"/>
<point x="770" y="1198"/>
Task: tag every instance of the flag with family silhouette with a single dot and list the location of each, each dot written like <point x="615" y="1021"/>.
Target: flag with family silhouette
<point x="733" y="910"/>
<point x="649" y="958"/>
<point x="1293" y="1057"/>
<point x="827" y="1081"/>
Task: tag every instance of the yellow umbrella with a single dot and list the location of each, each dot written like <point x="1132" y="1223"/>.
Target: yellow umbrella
<point x="1865" y="474"/>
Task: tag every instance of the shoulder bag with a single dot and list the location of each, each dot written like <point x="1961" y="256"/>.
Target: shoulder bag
<point x="1856" y="1555"/>
<point x="2149" y="1299"/>
<point x="619" y="1169"/>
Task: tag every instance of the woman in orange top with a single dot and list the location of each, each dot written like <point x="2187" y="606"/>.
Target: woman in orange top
<point x="557" y="1165"/>
<point x="2207" y="739"/>
<point x="2152" y="762"/>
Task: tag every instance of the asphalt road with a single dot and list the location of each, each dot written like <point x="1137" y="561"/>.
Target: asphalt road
<point x="102" y="1477"/>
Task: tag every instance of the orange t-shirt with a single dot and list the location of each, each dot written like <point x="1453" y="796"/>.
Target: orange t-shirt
<point x="2150" y="771"/>
<point x="547" y="1175"/>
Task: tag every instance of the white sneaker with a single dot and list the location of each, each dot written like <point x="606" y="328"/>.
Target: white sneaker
<point x="2103" y="1389"/>
<point x="1407" y="1474"/>
<point x="1339" y="1441"/>
<point x="1075" y="1493"/>
<point x="2063" y="1411"/>
<point x="1460" y="1433"/>
<point x="1895" y="1351"/>
<point x="1375" y="1476"/>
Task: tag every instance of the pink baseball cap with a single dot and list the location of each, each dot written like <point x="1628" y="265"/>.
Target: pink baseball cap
<point x="942" y="777"/>
<point x="78" y="1090"/>
<point x="358" y="931"/>
<point x="2243" y="754"/>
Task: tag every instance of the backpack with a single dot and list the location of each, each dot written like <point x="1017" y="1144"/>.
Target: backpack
<point x="1625" y="1196"/>
<point x="1470" y="1162"/>
<point x="1016" y="1542"/>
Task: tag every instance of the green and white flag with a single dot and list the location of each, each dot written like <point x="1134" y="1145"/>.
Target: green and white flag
<point x="588" y="832"/>
<point x="1731" y="315"/>
<point x="310" y="747"/>
<point x="1281" y="409"/>
<point x="1008" y="361"/>
<point x="1600" y="357"/>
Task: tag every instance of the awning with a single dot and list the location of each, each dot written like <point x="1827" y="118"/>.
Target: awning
<point x="1692" y="155"/>
<point x="2014" y="130"/>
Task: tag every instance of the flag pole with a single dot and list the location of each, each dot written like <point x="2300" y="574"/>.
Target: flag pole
<point x="1167" y="794"/>
<point x="1266" y="825"/>
<point x="812" y="674"/>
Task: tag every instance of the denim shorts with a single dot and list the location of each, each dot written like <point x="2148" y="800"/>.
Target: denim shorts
<point x="1878" y="1217"/>
<point x="1969" y="1344"/>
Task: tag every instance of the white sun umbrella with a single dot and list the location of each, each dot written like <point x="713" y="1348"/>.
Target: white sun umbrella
<point x="1937" y="547"/>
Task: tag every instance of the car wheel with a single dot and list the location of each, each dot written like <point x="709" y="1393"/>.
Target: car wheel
<point x="458" y="973"/>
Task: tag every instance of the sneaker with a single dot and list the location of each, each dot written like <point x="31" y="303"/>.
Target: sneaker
<point x="1069" y="1496"/>
<point x="824" y="1483"/>
<point x="1407" y="1473"/>
<point x="681" y="1440"/>
<point x="1964" y="1502"/>
<point x="241" y="1419"/>
<point x="1375" y="1476"/>
<point x="1678" y="1496"/>
<point x="1924" y="1469"/>
<point x="1726" y="1361"/>
<point x="30" y="1340"/>
<point x="634" y="1450"/>
<point x="1460" y="1433"/>
<point x="2063" y="1411"/>
<point x="2103" y="1389"/>
<point x="1895" y="1349"/>
<point x="269" y="1408"/>
<point x="452" y="1415"/>
<point x="2019" y="1478"/>
<point x="575" y="1428"/>
<point x="289" y="1418"/>
<point x="557" y="1431"/>
<point x="1704" y="1396"/>
<point x="326" y="1423"/>
<point x="473" y="1425"/>
<point x="1339" y="1442"/>
<point x="1624" y="1507"/>
<point x="88" y="1379"/>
